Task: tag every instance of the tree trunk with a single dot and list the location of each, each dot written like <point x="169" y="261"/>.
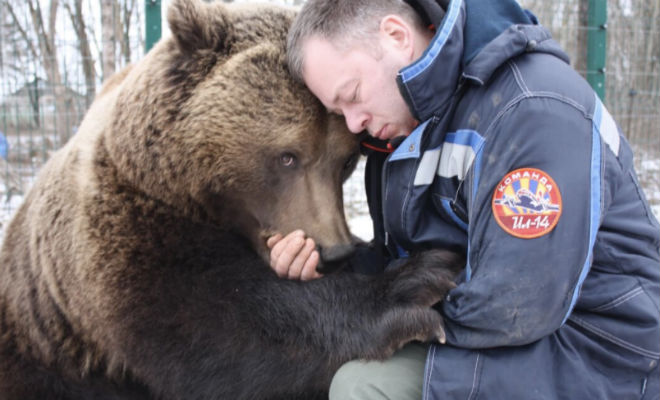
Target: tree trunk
<point x="50" y="62"/>
<point x="87" y="60"/>
<point x="124" y="26"/>
<point x="582" y="37"/>
<point x="109" y="37"/>
<point x="651" y="59"/>
<point x="15" y="26"/>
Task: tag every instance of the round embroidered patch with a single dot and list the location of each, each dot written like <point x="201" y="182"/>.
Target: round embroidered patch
<point x="527" y="203"/>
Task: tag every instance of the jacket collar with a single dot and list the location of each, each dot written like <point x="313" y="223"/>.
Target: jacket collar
<point x="473" y="38"/>
<point x="425" y="95"/>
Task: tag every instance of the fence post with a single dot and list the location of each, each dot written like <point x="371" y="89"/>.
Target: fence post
<point x="596" y="46"/>
<point x="152" y="23"/>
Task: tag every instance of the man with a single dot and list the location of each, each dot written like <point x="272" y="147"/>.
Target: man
<point x="510" y="157"/>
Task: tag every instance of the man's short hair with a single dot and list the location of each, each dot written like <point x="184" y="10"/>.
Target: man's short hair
<point x="342" y="22"/>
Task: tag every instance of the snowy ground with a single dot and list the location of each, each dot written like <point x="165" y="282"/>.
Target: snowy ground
<point x="649" y="176"/>
<point x="7" y="208"/>
<point x="355" y="199"/>
<point x="355" y="204"/>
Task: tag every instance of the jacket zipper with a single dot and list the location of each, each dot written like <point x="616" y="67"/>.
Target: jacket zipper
<point x="429" y="128"/>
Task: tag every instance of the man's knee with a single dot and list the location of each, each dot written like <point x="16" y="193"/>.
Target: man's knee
<point x="399" y="378"/>
<point x="354" y="382"/>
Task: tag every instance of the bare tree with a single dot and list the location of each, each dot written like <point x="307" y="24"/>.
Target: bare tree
<point x="117" y="17"/>
<point x="21" y="30"/>
<point x="650" y="75"/>
<point x="580" y="63"/>
<point x="45" y="51"/>
<point x="78" y="22"/>
<point x="109" y="37"/>
<point x="125" y="24"/>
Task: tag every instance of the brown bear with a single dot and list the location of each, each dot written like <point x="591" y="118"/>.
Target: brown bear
<point x="136" y="267"/>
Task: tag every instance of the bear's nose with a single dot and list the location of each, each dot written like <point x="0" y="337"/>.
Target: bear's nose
<point x="332" y="258"/>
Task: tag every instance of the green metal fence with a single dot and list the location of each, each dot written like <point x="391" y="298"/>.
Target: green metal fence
<point x="615" y="45"/>
<point x="153" y="23"/>
<point x="597" y="45"/>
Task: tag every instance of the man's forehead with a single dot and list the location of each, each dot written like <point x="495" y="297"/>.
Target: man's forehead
<point x="316" y="43"/>
<point x="326" y="71"/>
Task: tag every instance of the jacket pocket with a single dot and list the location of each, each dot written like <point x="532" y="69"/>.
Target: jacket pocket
<point x="630" y="321"/>
<point x="451" y="211"/>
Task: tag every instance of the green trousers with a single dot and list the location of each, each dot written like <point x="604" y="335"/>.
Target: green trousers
<point x="398" y="378"/>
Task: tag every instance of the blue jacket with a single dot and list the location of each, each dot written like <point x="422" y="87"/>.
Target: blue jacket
<point x="517" y="163"/>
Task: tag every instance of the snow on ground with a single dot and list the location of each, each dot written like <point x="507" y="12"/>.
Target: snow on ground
<point x="7" y="208"/>
<point x="355" y="204"/>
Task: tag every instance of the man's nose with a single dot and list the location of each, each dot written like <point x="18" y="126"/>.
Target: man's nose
<point x="356" y="121"/>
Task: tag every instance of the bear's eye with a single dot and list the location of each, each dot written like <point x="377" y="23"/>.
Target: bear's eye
<point x="288" y="160"/>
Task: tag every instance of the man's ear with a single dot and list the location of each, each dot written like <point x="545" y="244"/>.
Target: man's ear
<point x="200" y="26"/>
<point x="398" y="34"/>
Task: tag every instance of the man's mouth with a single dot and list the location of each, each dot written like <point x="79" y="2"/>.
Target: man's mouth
<point x="381" y="133"/>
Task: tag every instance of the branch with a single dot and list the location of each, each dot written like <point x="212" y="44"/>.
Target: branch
<point x="128" y="15"/>
<point x="38" y="25"/>
<point x="20" y="28"/>
<point x="54" y="4"/>
<point x="67" y="7"/>
<point x="87" y="61"/>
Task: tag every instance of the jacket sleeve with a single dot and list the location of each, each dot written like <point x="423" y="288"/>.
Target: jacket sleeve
<point x="519" y="289"/>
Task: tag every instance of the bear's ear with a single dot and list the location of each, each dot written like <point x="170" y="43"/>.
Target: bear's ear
<point x="196" y="25"/>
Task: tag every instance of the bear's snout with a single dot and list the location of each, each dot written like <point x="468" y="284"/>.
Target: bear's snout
<point x="333" y="257"/>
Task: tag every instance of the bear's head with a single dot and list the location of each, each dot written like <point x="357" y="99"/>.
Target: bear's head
<point x="211" y="124"/>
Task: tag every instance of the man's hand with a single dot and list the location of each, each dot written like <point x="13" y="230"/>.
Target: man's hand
<point x="294" y="256"/>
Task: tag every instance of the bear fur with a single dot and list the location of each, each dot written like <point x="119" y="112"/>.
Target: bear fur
<point x="136" y="267"/>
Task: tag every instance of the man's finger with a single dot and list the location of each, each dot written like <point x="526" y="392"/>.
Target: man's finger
<point x="296" y="267"/>
<point x="309" y="269"/>
<point x="279" y="244"/>
<point x="273" y="240"/>
<point x="288" y="250"/>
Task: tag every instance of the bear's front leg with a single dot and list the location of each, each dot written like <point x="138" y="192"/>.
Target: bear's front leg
<point x="213" y="321"/>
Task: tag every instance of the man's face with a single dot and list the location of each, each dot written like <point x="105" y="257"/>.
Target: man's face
<point x="359" y="84"/>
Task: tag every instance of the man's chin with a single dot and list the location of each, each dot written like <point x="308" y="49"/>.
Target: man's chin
<point x="398" y="136"/>
<point x="389" y="132"/>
